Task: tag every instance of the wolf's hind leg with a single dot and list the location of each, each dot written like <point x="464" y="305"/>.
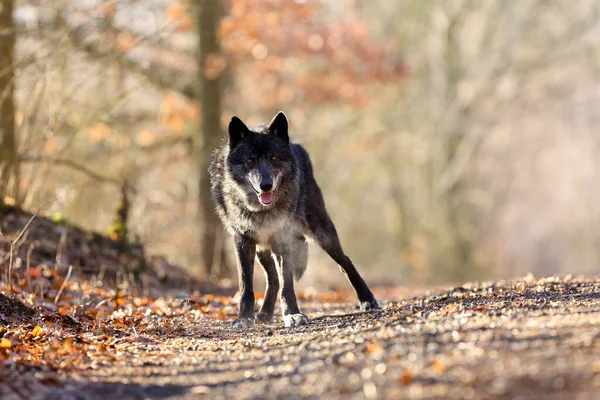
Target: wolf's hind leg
<point x="285" y="259"/>
<point x="326" y="236"/>
<point x="265" y="258"/>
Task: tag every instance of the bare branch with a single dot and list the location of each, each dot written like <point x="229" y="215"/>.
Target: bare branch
<point x="77" y="167"/>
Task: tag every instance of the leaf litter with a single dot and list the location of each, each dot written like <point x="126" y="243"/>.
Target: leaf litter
<point x="160" y="337"/>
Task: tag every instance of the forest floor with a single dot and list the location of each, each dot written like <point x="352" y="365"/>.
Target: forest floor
<point x="76" y="335"/>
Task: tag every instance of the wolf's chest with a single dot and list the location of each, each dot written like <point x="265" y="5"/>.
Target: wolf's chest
<point x="269" y="230"/>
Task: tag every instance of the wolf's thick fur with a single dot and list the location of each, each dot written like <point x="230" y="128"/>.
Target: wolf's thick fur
<point x="268" y="199"/>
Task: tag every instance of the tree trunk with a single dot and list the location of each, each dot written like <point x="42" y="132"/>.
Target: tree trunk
<point x="210" y="78"/>
<point x="8" y="148"/>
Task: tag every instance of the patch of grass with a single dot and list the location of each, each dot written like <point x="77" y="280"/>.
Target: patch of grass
<point x="58" y="218"/>
<point x="6" y="208"/>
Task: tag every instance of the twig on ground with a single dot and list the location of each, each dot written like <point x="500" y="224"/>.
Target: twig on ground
<point x="28" y="266"/>
<point x="12" y="249"/>
<point x="62" y="242"/>
<point x="101" y="303"/>
<point x="64" y="284"/>
<point x="353" y="314"/>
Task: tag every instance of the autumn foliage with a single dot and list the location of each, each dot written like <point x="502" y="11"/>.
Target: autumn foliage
<point x="295" y="54"/>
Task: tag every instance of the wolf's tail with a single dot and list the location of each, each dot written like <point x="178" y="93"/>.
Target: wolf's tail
<point x="300" y="259"/>
<point x="299" y="272"/>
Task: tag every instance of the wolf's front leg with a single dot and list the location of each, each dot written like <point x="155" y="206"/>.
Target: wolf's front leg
<point x="245" y="248"/>
<point x="289" y="305"/>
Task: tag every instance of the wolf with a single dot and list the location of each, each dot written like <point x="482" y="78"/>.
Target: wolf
<point x="267" y="198"/>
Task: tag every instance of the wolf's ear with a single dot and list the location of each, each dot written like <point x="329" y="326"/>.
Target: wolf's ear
<point x="237" y="131"/>
<point x="279" y="126"/>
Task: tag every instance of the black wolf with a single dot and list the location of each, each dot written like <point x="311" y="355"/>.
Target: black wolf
<point x="268" y="199"/>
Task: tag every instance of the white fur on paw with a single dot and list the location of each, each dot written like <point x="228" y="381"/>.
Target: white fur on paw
<point x="370" y="305"/>
<point x="241" y="323"/>
<point x="295" y="320"/>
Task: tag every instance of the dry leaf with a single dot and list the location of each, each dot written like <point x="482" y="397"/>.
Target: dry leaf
<point x="405" y="378"/>
<point x="34" y="272"/>
<point x="37" y="331"/>
<point x="439" y="366"/>
<point x="374" y="349"/>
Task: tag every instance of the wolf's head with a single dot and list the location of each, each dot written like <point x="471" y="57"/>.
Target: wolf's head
<point x="260" y="161"/>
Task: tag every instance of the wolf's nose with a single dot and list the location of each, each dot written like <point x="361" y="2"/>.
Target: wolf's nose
<point x="266" y="185"/>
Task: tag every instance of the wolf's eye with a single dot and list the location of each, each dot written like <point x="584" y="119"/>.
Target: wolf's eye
<point x="273" y="157"/>
<point x="250" y="161"/>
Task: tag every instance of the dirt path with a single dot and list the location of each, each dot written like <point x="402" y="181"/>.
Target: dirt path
<point x="535" y="339"/>
<point x="88" y="336"/>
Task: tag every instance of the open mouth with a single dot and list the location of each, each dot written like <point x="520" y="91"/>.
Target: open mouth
<point x="266" y="198"/>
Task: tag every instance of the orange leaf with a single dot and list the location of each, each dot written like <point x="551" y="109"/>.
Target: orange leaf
<point x="225" y="300"/>
<point x="125" y="42"/>
<point x="439" y="366"/>
<point x="405" y="378"/>
<point x="68" y="343"/>
<point x="175" y="11"/>
<point x="98" y="132"/>
<point x="5" y="344"/>
<point x="50" y="146"/>
<point x="185" y="24"/>
<point x="34" y="272"/>
<point x="58" y="281"/>
<point x="37" y="331"/>
<point x="145" y="138"/>
<point x="9" y="201"/>
<point x="374" y="349"/>
<point x="109" y="9"/>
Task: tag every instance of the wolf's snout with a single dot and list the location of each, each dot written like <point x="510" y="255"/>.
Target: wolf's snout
<point x="266" y="195"/>
<point x="266" y="185"/>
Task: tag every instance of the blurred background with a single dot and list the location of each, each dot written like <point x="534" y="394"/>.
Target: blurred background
<point x="453" y="139"/>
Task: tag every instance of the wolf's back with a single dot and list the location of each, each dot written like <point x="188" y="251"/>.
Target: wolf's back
<point x="216" y="172"/>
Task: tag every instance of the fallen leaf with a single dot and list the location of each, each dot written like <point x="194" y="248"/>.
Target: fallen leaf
<point x="374" y="349"/>
<point x="34" y="273"/>
<point x="439" y="366"/>
<point x="37" y="331"/>
<point x="405" y="378"/>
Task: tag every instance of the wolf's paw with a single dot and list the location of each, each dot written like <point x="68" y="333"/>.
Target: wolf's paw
<point x="241" y="323"/>
<point x="263" y="318"/>
<point x="370" y="305"/>
<point x="295" y="320"/>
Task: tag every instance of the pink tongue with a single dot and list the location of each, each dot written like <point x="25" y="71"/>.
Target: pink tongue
<point x="266" y="198"/>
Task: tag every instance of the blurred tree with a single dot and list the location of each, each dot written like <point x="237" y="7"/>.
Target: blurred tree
<point x="8" y="148"/>
<point x="210" y="71"/>
<point x="287" y="55"/>
<point x="473" y="66"/>
<point x="429" y="175"/>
